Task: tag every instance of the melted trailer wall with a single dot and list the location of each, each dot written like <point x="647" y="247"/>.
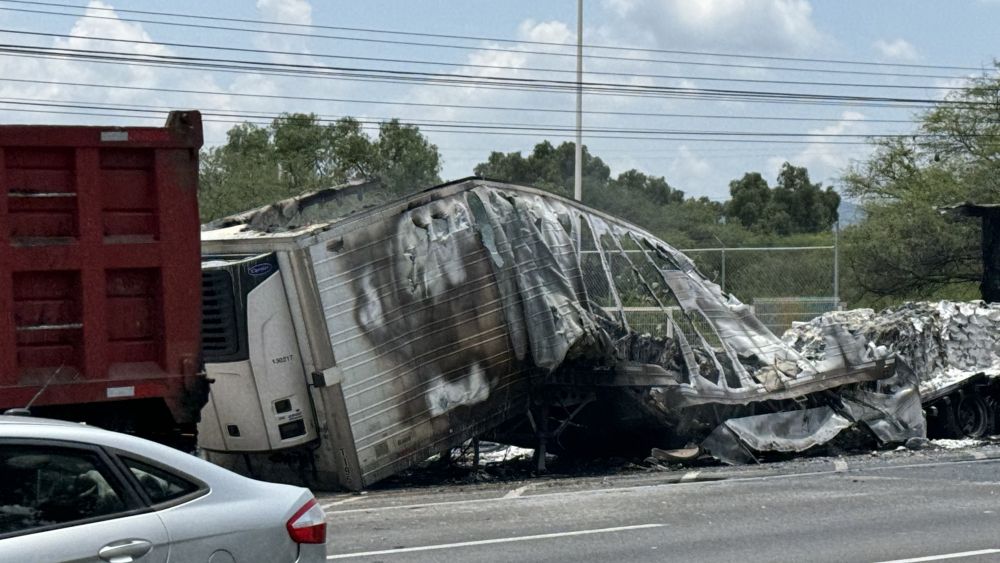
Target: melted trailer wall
<point x="416" y="323"/>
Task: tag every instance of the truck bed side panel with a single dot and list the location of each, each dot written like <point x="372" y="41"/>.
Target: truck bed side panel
<point x="99" y="265"/>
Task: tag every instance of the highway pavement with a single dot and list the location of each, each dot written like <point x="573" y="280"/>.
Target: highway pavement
<point x="904" y="506"/>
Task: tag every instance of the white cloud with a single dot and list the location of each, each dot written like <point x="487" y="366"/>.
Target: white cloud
<point x="946" y="87"/>
<point x="131" y="78"/>
<point x="897" y="50"/>
<point x="550" y="32"/>
<point x="286" y="11"/>
<point x="825" y="160"/>
<point x="757" y="25"/>
<point x="688" y="169"/>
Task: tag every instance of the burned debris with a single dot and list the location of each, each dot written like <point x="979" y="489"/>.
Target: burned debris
<point x="952" y="349"/>
<point x="482" y="308"/>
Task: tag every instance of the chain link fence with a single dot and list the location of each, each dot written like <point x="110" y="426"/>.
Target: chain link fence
<point x="784" y="284"/>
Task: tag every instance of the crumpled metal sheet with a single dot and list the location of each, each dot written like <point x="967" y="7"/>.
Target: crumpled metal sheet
<point x="537" y="272"/>
<point x="309" y="209"/>
<point x="891" y="410"/>
<point x="789" y="431"/>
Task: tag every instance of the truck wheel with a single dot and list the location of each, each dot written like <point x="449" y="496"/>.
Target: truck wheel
<point x="971" y="417"/>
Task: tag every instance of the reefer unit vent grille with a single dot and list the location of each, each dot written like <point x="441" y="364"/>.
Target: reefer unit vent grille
<point x="219" y="327"/>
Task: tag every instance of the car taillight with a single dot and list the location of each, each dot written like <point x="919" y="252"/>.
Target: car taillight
<point x="308" y="524"/>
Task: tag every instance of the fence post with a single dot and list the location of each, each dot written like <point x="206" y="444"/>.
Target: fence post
<point x="836" y="263"/>
<point x="723" y="246"/>
<point x="723" y="269"/>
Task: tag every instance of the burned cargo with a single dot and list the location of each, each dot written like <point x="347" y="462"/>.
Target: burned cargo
<point x="354" y="335"/>
<point x="953" y="349"/>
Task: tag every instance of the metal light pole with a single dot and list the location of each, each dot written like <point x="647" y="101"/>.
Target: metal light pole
<point x="578" y="164"/>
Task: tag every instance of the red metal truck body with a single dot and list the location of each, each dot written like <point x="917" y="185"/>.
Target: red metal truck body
<point x="100" y="279"/>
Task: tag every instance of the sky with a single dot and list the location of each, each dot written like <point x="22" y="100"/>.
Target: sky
<point x="744" y="45"/>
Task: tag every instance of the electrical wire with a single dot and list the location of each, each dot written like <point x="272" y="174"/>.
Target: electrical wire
<point x="92" y="104"/>
<point x="261" y="95"/>
<point x="498" y="128"/>
<point x="439" y="79"/>
<point x="479" y="66"/>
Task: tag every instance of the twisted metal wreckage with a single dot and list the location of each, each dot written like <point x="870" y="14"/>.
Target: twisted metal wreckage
<point x="952" y="347"/>
<point x="536" y="320"/>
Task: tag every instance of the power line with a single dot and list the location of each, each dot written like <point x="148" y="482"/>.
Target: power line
<point x="430" y="130"/>
<point x="481" y="38"/>
<point x="90" y="104"/>
<point x="496" y="49"/>
<point x="681" y="94"/>
<point x="235" y="116"/>
<point x="481" y="66"/>
<point x="485" y="125"/>
<point x="444" y="105"/>
<point x="371" y="127"/>
<point x="439" y="79"/>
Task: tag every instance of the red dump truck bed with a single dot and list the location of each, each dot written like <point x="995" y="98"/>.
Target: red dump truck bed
<point x="100" y="282"/>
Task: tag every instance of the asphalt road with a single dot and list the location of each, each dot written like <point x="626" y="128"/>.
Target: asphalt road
<point x="914" y="508"/>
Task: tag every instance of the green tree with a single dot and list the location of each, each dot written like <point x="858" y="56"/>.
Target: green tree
<point x="404" y="159"/>
<point x="749" y="198"/>
<point x="297" y="153"/>
<point x="655" y="188"/>
<point x="795" y="205"/>
<point x="648" y="201"/>
<point x="810" y="208"/>
<point x="549" y="168"/>
<point x="905" y="248"/>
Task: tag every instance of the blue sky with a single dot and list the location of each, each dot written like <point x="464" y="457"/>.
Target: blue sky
<point x="953" y="33"/>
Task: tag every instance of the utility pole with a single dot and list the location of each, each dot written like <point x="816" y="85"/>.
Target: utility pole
<point x="578" y="164"/>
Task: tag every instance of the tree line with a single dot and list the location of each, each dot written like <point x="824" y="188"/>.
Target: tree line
<point x="297" y="153"/>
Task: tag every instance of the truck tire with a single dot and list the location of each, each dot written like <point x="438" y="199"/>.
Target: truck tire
<point x="969" y="416"/>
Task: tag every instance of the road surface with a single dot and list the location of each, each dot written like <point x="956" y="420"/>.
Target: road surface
<point x="891" y="508"/>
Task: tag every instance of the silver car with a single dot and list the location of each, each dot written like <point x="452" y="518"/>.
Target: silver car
<point x="70" y="492"/>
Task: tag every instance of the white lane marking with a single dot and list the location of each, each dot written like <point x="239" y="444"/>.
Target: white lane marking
<point x="689" y="476"/>
<point x="839" y="465"/>
<point x="514" y="493"/>
<point x="631" y="488"/>
<point x="494" y="541"/>
<point x="945" y="556"/>
<point x="978" y="455"/>
<point x="433" y="504"/>
<point x="326" y="505"/>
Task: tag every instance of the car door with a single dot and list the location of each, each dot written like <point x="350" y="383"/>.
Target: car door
<point x="67" y="502"/>
<point x="245" y="527"/>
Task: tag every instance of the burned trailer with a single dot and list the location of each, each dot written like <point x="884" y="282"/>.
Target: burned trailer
<point x="349" y="337"/>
